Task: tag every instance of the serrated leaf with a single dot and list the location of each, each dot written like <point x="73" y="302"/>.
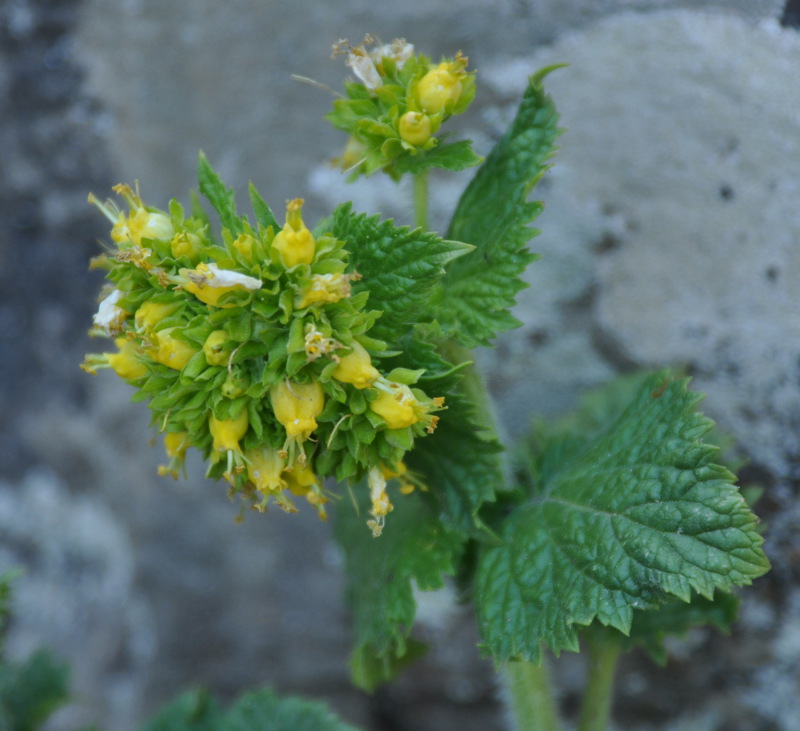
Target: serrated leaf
<point x="454" y="157"/>
<point x="636" y="518"/>
<point x="194" y="710"/>
<point x="400" y="268"/>
<point x="263" y="212"/>
<point x="219" y="195"/>
<point x="32" y="690"/>
<point x="415" y="549"/>
<point x="461" y="464"/>
<point x="264" y="710"/>
<point x="650" y="628"/>
<point x="493" y="214"/>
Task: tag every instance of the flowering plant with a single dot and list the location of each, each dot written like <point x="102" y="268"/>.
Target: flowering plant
<point x="287" y="355"/>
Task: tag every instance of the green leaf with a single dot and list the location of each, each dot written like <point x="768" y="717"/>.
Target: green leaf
<point x="219" y="195"/>
<point x="493" y="214"/>
<point x="31" y="691"/>
<point x="263" y="710"/>
<point x="415" y="549"/>
<point x="194" y="710"/>
<point x="263" y="212"/>
<point x="400" y="268"/>
<point x="635" y="518"/>
<point x="454" y="157"/>
<point x="650" y="628"/>
<point x="461" y="464"/>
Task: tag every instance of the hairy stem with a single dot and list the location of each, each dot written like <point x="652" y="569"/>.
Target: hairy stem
<point x="421" y="200"/>
<point x="596" y="710"/>
<point x="531" y="697"/>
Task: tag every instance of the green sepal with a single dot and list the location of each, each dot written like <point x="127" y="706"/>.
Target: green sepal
<point x="494" y="213"/>
<point x="633" y="518"/>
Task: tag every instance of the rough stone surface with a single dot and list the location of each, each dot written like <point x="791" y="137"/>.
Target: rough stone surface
<point x="648" y="180"/>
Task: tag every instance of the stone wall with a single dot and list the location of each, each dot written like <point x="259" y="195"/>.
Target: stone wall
<point x="669" y="237"/>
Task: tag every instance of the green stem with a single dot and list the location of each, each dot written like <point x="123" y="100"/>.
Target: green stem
<point x="596" y="709"/>
<point x="421" y="200"/>
<point x="531" y="697"/>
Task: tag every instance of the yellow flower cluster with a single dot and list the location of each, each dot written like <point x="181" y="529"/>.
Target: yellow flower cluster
<point x="251" y="351"/>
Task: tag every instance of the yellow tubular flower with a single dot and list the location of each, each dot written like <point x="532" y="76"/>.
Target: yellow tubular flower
<point x="415" y="128"/>
<point x="142" y="224"/>
<point x="302" y="481"/>
<point x="170" y="351"/>
<point x="215" y="348"/>
<point x="296" y="406"/>
<point x="324" y="288"/>
<point x="244" y="245"/>
<point x="227" y="432"/>
<point x="126" y="363"/>
<point x="396" y="406"/>
<point x="209" y="283"/>
<point x="356" y="368"/>
<point x="439" y="87"/>
<point x="264" y="469"/>
<point x="294" y="241"/>
<point x="151" y="313"/>
<point x="175" y="445"/>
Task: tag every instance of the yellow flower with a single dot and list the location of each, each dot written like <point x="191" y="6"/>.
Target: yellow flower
<point x="302" y="481"/>
<point x="415" y="128"/>
<point x="324" y="288"/>
<point x="151" y="313"/>
<point x="397" y="406"/>
<point x="216" y="348"/>
<point x="294" y="241"/>
<point x="227" y="432"/>
<point x="175" y="445"/>
<point x="317" y="345"/>
<point x="127" y="363"/>
<point x="185" y="244"/>
<point x="296" y="406"/>
<point x="356" y="368"/>
<point x="142" y="224"/>
<point x="440" y="88"/>
<point x="170" y="351"/>
<point x="209" y="283"/>
<point x="264" y="469"/>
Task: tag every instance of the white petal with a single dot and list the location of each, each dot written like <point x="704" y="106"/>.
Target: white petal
<point x="226" y="278"/>
<point x="109" y="316"/>
<point x="364" y="68"/>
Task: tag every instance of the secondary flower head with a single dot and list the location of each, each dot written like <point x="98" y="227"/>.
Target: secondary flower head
<point x="394" y="112"/>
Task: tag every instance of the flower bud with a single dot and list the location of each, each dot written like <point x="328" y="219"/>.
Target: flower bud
<point x="227" y="432"/>
<point x="186" y="244"/>
<point x="233" y="386"/>
<point x="170" y="351"/>
<point x="296" y="406"/>
<point x="396" y="406"/>
<point x="415" y="128"/>
<point x="127" y="363"/>
<point x="356" y="368"/>
<point x="151" y="313"/>
<point x="243" y="243"/>
<point x="294" y="241"/>
<point x="439" y="88"/>
<point x="216" y="348"/>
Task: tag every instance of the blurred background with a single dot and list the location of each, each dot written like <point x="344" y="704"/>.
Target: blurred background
<point x="671" y="236"/>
